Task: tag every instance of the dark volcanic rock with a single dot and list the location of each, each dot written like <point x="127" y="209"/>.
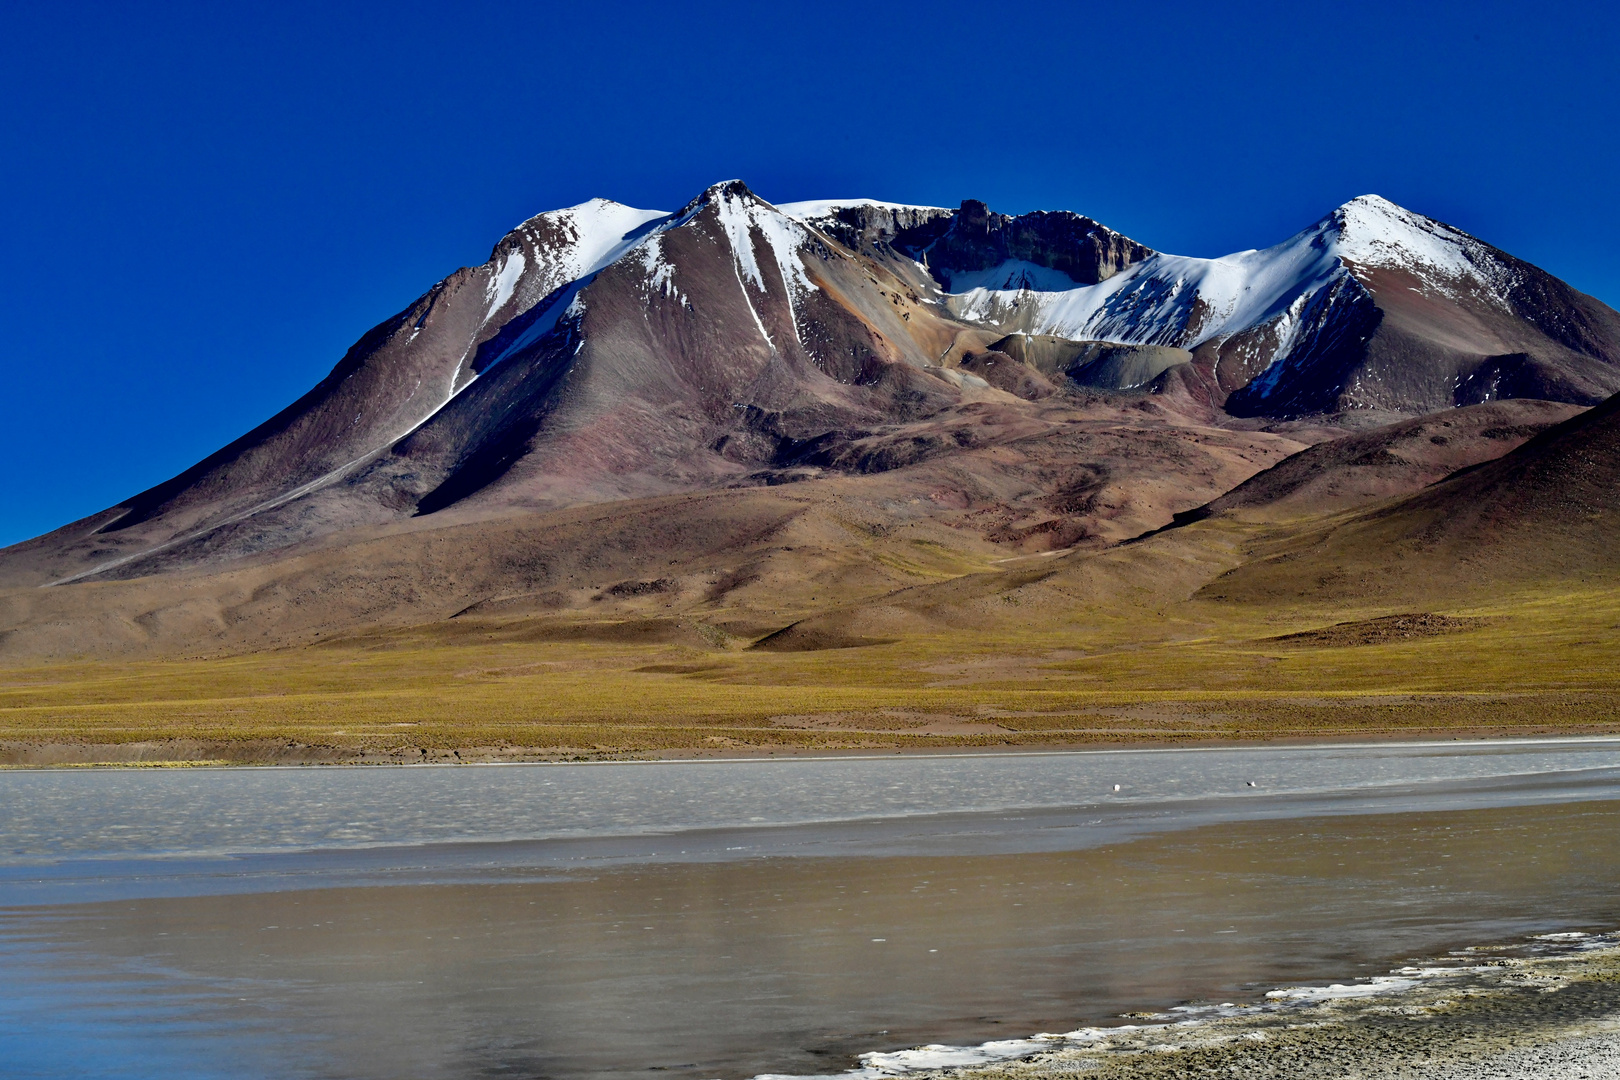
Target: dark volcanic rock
<point x="973" y="238"/>
<point x="1072" y="244"/>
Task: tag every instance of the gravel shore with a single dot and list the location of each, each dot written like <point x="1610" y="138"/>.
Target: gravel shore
<point x="1552" y="1012"/>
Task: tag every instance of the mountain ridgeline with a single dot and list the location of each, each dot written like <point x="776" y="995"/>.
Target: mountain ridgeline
<point x="605" y="353"/>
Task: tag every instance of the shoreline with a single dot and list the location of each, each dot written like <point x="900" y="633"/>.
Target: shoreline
<point x="1549" y="1006"/>
<point x="259" y="753"/>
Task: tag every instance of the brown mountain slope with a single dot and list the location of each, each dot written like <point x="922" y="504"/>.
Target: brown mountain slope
<point x="963" y="492"/>
<point x="936" y="523"/>
<point x="1549" y="512"/>
<point x="1396" y="459"/>
<point x="1271" y="541"/>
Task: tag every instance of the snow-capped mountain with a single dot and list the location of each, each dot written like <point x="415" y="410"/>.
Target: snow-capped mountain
<point x="1372" y="307"/>
<point x="602" y="352"/>
<point x="606" y="352"/>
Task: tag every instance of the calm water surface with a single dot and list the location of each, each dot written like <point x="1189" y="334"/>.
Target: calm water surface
<point x="727" y="919"/>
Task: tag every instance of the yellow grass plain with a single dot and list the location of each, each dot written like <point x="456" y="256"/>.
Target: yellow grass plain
<point x="1195" y="671"/>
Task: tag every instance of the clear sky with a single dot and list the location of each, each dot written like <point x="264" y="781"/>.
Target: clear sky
<point x="205" y="204"/>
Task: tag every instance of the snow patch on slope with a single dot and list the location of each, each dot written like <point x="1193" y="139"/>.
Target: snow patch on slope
<point x="571" y="246"/>
<point x="1014" y="275"/>
<point x="740" y="217"/>
<point x="500" y="287"/>
<point x="660" y="274"/>
<point x="578" y="241"/>
<point x="820" y="210"/>
<point x="782" y="234"/>
<point x="1374" y="232"/>
<point x="1154" y="301"/>
<point x="597" y="232"/>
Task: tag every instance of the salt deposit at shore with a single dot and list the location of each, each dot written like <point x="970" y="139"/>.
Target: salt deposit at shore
<point x="1546" y="1008"/>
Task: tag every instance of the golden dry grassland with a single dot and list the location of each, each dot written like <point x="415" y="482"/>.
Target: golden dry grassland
<point x="1199" y="670"/>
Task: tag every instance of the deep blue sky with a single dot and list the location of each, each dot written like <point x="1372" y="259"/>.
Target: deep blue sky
<point x="205" y="204"/>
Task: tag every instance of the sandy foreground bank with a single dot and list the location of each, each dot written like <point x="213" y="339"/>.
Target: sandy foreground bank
<point x="1550" y="1013"/>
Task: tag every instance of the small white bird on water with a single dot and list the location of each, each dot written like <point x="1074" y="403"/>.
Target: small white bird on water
<point x="1116" y="787"/>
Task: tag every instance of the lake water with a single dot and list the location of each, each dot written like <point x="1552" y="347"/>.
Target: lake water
<point x="725" y="919"/>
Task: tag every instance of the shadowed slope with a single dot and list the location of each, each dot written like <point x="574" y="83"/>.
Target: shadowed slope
<point x="1548" y="512"/>
<point x="1397" y="459"/>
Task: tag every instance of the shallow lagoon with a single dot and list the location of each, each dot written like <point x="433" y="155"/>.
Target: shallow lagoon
<point x="727" y="919"/>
